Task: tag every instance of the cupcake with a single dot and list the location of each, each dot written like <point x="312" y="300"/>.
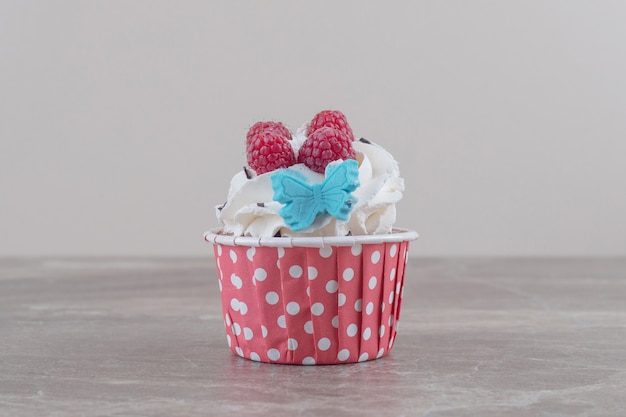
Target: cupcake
<point x="310" y="266"/>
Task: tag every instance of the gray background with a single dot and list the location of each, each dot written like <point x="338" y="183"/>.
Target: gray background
<point x="121" y="123"/>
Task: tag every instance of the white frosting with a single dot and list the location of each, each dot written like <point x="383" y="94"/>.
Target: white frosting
<point x="374" y="212"/>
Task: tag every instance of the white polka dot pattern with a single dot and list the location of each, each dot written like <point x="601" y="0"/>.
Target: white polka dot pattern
<point x="236" y="281"/>
<point x="295" y="271"/>
<point x="375" y="257"/>
<point x="308" y="327"/>
<point x="247" y="333"/>
<point x="271" y="298"/>
<point x="326" y="252"/>
<point x="293" y="308"/>
<point x="341" y="299"/>
<point x="332" y="286"/>
<point x="343" y="355"/>
<point x="323" y="343"/>
<point x="323" y="306"/>
<point x="317" y="309"/>
<point x="260" y="274"/>
<point x="273" y="354"/>
<point x="292" y="344"/>
<point x="348" y="274"/>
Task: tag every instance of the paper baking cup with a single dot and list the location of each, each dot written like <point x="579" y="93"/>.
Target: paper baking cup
<point x="308" y="301"/>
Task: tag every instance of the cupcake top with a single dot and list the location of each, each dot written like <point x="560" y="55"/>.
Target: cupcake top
<point x="318" y="182"/>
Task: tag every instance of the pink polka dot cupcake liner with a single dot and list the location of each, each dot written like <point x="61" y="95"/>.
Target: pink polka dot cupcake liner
<point x="311" y="301"/>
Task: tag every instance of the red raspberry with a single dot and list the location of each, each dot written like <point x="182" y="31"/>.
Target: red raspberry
<point x="324" y="146"/>
<point x="330" y="118"/>
<point x="259" y="127"/>
<point x="267" y="151"/>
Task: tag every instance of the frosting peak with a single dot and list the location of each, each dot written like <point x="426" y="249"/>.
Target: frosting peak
<point x="367" y="206"/>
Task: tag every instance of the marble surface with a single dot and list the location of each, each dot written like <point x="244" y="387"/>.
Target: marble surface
<point x="479" y="337"/>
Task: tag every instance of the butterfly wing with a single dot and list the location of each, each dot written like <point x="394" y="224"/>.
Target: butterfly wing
<point x="341" y="180"/>
<point x="300" y="207"/>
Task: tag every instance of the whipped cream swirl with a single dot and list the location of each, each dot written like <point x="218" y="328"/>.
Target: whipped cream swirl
<point x="250" y="209"/>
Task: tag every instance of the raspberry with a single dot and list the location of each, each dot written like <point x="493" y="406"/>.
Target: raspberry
<point x="259" y="127"/>
<point x="324" y="146"/>
<point x="330" y="118"/>
<point x="268" y="150"/>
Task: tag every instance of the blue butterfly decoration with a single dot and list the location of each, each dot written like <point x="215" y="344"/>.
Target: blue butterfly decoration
<point x="304" y="202"/>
